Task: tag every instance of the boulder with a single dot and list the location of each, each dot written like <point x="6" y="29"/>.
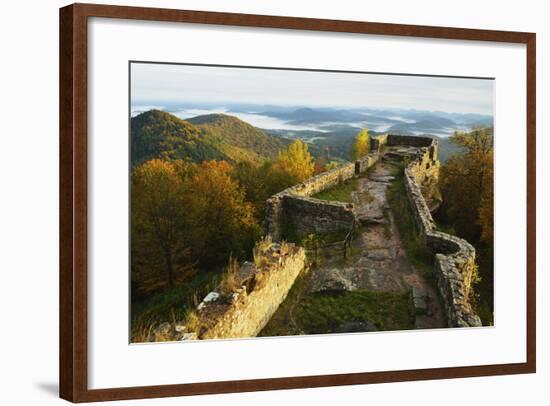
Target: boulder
<point x="332" y="280"/>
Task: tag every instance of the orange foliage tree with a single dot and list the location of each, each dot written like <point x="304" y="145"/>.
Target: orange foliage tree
<point x="221" y="220"/>
<point x="157" y="219"/>
<point x="186" y="216"/>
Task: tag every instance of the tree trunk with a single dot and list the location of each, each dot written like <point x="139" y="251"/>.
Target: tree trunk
<point x="169" y="269"/>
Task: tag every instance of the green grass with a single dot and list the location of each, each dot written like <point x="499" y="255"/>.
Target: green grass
<point x="388" y="311"/>
<point x="172" y="304"/>
<point x="324" y="313"/>
<point x="339" y="193"/>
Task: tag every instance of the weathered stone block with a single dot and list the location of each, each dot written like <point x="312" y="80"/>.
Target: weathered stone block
<point x="248" y="312"/>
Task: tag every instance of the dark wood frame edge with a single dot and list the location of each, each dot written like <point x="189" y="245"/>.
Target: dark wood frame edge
<point x="73" y="201"/>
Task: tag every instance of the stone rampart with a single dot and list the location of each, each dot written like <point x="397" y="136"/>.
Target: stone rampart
<point x="298" y="197"/>
<point x="307" y="215"/>
<point x="244" y="310"/>
<point x="454" y="256"/>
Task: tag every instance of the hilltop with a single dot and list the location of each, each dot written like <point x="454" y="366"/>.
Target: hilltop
<point x="157" y="134"/>
<point x="239" y="140"/>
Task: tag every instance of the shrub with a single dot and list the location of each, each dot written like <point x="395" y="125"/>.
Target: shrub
<point x="230" y="281"/>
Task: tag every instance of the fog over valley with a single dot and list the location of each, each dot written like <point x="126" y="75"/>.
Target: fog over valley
<point x="293" y="120"/>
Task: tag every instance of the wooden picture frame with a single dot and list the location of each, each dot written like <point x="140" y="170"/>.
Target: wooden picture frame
<point x="74" y="201"/>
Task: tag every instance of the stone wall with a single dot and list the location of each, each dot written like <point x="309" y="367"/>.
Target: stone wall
<point x="245" y="311"/>
<point x="279" y="206"/>
<point x="410" y="140"/>
<point x="455" y="257"/>
<point x="307" y="215"/>
<point x="378" y="142"/>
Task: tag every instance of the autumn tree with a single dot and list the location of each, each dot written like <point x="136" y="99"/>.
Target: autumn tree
<point x="259" y="182"/>
<point x="295" y="162"/>
<point x="186" y="217"/>
<point x="221" y="221"/>
<point x="360" y="147"/>
<point x="467" y="185"/>
<point x="157" y="219"/>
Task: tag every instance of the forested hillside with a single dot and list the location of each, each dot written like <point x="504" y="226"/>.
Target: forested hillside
<point x="157" y="134"/>
<point x="238" y="139"/>
<point x="198" y="193"/>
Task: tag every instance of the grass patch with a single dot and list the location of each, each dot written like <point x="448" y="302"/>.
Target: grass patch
<point x="229" y="281"/>
<point x="324" y="313"/>
<point x="484" y="293"/>
<point x="420" y="256"/>
<point x="173" y="304"/>
<point x="340" y="192"/>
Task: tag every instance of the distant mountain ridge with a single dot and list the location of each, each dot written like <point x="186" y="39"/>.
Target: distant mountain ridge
<point x="159" y="134"/>
<point x="400" y="121"/>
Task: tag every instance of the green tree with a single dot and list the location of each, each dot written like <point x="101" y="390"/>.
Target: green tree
<point x="260" y="182"/>
<point x="360" y="147"/>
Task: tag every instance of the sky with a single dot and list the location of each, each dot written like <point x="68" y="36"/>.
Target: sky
<point x="170" y="84"/>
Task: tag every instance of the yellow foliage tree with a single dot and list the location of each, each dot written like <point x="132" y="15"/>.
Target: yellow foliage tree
<point x="360" y="147"/>
<point x="296" y="162"/>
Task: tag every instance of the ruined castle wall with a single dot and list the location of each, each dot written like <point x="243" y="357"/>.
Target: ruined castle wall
<point x="455" y="257"/>
<point x="378" y="142"/>
<point x="307" y="215"/>
<point x="322" y="181"/>
<point x="253" y="304"/>
<point x="411" y="140"/>
<point x="361" y="165"/>
<point x="279" y="206"/>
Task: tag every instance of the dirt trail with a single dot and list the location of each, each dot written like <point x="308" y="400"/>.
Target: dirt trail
<point x="381" y="263"/>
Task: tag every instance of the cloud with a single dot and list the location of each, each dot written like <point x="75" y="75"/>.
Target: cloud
<point x="166" y="83"/>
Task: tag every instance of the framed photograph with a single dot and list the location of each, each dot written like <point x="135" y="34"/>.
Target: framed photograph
<point x="255" y="202"/>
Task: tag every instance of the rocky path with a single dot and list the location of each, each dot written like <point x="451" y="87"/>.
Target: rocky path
<point x="381" y="263"/>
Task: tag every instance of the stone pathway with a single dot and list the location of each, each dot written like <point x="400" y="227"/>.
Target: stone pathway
<point x="381" y="264"/>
